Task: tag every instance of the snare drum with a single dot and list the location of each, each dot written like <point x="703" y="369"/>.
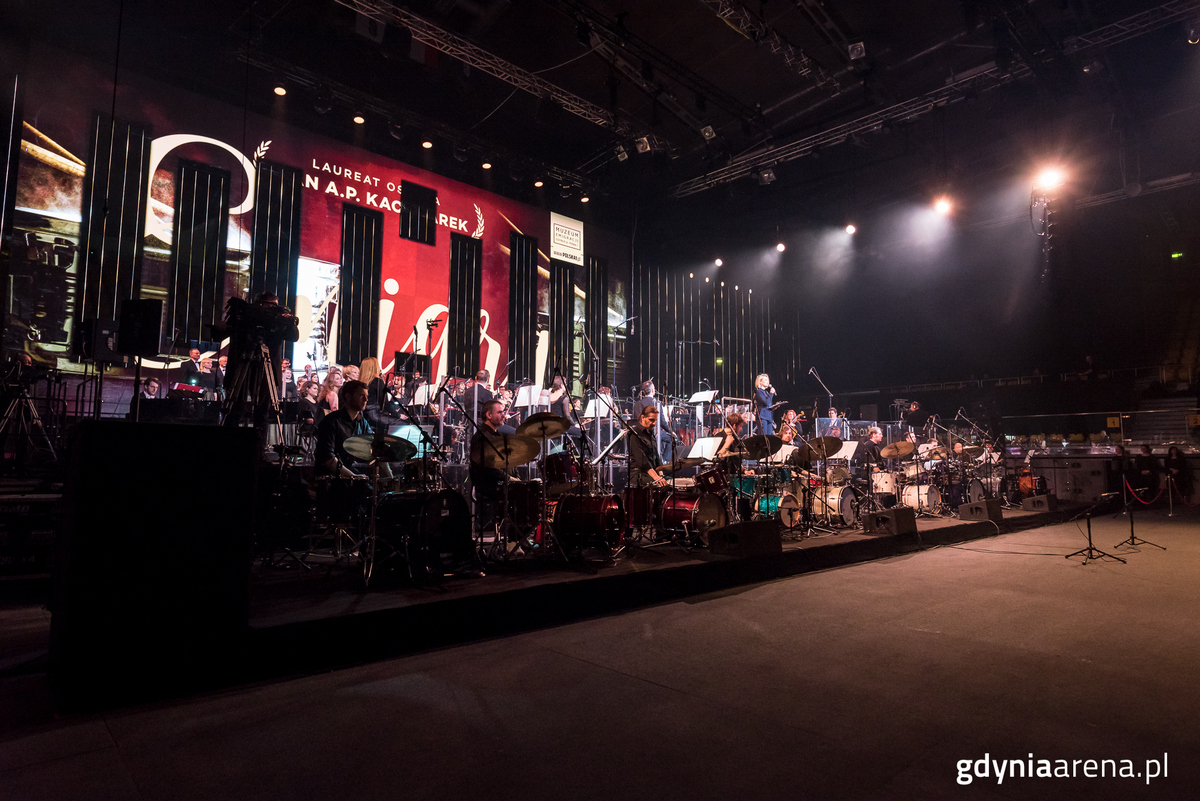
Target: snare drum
<point x="714" y="481"/>
<point x="692" y="513"/>
<point x="883" y="483"/>
<point x="924" y="498"/>
<point x="783" y="506"/>
<point x="838" y="502"/>
<point x="596" y="520"/>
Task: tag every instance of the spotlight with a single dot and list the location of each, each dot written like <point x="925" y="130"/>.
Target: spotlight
<point x="487" y="165"/>
<point x="280" y="89"/>
<point x="850" y="229"/>
<point x="706" y="279"/>
<point x="1194" y="34"/>
<point x="781" y="247"/>
<point x="427" y="143"/>
<point x="719" y="263"/>
<point x="1049" y="178"/>
<point x="691" y="275"/>
<point x="539" y="183"/>
<point x="764" y="176"/>
<point x="584" y="199"/>
<point x="359" y="119"/>
<point x="708" y="133"/>
<point x="942" y="206"/>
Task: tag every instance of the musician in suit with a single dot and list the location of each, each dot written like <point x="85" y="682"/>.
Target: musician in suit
<point x="764" y="398"/>
<point x="191" y="369"/>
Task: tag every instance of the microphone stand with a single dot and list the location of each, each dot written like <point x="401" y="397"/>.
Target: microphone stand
<point x="813" y="372"/>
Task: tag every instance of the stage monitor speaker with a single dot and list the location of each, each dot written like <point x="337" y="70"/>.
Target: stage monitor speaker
<point x="988" y="509"/>
<point x="99" y="341"/>
<point x="152" y="559"/>
<point x="891" y="522"/>
<point x="1040" y="503"/>
<point x="751" y="538"/>
<point x="141" y="327"/>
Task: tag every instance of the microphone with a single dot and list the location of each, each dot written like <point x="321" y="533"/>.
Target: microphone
<point x="441" y="387"/>
<point x="810" y="370"/>
<point x="717" y="342"/>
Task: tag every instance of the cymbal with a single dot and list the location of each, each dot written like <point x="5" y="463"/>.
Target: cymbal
<point x="818" y="448"/>
<point x="974" y="451"/>
<point x="511" y="450"/>
<point x="760" y="446"/>
<point x="391" y="448"/>
<point x="679" y="464"/>
<point x="936" y="452"/>
<point x="895" y="449"/>
<point x="544" y="425"/>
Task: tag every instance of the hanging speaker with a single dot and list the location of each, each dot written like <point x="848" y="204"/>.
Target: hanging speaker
<point x="141" y="327"/>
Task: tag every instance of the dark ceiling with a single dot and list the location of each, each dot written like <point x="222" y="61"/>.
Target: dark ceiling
<point x="668" y="68"/>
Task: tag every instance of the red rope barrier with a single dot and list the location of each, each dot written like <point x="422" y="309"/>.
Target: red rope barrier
<point x="1179" y="493"/>
<point x="1139" y="500"/>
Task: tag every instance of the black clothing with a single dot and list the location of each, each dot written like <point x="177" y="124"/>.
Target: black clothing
<point x="332" y="434"/>
<point x="488" y="481"/>
<point x="376" y="398"/>
<point x="869" y="454"/>
<point x="642" y="455"/>
<point x="190" y="373"/>
<point x="307" y="412"/>
<point x="916" y="418"/>
<point x="1182" y="477"/>
<point x="1148" y="482"/>
<point x="562" y="406"/>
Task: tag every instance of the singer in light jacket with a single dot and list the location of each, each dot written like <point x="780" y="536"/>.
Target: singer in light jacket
<point x="764" y="398"/>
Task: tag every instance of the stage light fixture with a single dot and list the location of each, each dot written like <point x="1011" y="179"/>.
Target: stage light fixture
<point x="1194" y="34"/>
<point x="942" y="206"/>
<point x="691" y="275"/>
<point x="539" y="183"/>
<point x="487" y="165"/>
<point x="751" y="291"/>
<point x="622" y="153"/>
<point x="396" y="130"/>
<point x="1177" y="255"/>
<point x="584" y="199"/>
<point x="765" y="176"/>
<point x="719" y="263"/>
<point x="427" y="143"/>
<point x="643" y="144"/>
<point x="722" y="283"/>
<point x="706" y="279"/>
<point x="851" y="229"/>
<point x="708" y="133"/>
<point x="735" y="287"/>
<point x="359" y="119"/>
<point x="1050" y="178"/>
<point x="280" y="89"/>
<point x="781" y="247"/>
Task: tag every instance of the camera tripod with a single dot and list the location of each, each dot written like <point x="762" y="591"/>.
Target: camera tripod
<point x="22" y="421"/>
<point x="248" y="380"/>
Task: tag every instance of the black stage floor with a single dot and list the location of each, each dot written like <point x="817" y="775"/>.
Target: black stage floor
<point x="303" y="620"/>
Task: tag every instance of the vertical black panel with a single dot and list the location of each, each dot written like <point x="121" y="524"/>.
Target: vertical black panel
<point x="466" y="298"/>
<point x="358" y="289"/>
<point x="199" y="234"/>
<point x="418" y="213"/>
<point x="275" y="233"/>
<point x="596" y="316"/>
<point x="522" y="306"/>
<point x="10" y="140"/>
<point x="114" y="219"/>
<point x="562" y="331"/>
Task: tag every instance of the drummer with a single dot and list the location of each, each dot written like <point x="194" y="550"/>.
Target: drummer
<point x="869" y="452"/>
<point x="643" y="456"/>
<point x="330" y="455"/>
<point x="488" y="482"/>
<point x="729" y="437"/>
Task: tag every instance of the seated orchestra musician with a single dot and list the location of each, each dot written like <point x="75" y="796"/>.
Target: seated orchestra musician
<point x="789" y="427"/>
<point x="330" y="456"/>
<point x="729" y="435"/>
<point x="1145" y="472"/>
<point x="643" y="456"/>
<point x="150" y="388"/>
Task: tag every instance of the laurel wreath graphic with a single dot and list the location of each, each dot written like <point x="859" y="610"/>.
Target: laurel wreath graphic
<point x="479" y="219"/>
<point x="261" y="150"/>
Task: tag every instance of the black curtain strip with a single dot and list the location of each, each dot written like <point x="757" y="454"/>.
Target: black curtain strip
<point x="466" y="297"/>
<point x="562" y="329"/>
<point x="196" y="292"/>
<point x="596" y="320"/>
<point x="418" y="213"/>
<point x="359" y="285"/>
<point x="115" y="193"/>
<point x="275" y="232"/>
<point x="522" y="306"/>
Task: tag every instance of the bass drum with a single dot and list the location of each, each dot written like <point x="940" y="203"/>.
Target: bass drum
<point x="925" y="498"/>
<point x="692" y="513"/>
<point x="838" y="502"/>
<point x="589" y="521"/>
<point x="437" y="525"/>
<point x="562" y="473"/>
<point x="784" y="507"/>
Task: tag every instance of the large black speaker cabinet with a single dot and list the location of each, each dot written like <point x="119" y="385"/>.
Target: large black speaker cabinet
<point x="141" y="327"/>
<point x="987" y="509"/>
<point x="152" y="558"/>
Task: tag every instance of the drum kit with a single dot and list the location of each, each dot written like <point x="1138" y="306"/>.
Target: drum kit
<point x="934" y="479"/>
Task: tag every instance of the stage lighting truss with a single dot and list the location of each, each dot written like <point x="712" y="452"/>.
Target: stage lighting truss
<point x="979" y="80"/>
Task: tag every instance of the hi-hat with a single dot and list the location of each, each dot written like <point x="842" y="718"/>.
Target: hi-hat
<point x="895" y="449"/>
<point x="389" y="448"/>
<point x="544" y="425"/>
<point x="679" y="464"/>
<point x="504" y="450"/>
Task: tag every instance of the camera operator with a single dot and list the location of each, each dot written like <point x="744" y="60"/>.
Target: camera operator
<point x="267" y="323"/>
